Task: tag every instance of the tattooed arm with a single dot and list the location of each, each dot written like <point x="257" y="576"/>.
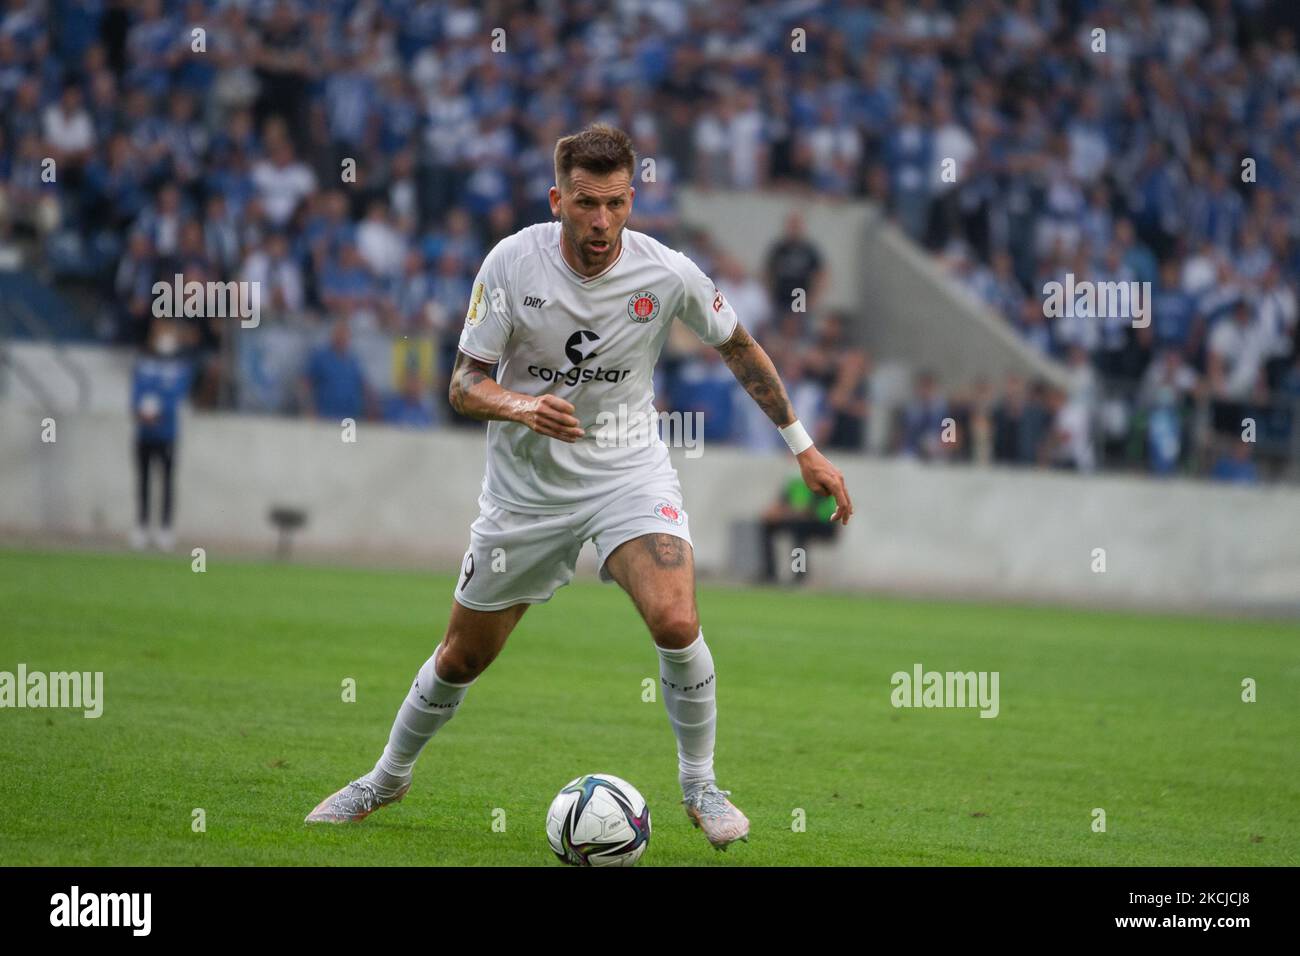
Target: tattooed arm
<point x="475" y="394"/>
<point x="754" y="370"/>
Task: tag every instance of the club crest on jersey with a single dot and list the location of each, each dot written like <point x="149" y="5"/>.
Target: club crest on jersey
<point x="669" y="513"/>
<point x="642" y="306"/>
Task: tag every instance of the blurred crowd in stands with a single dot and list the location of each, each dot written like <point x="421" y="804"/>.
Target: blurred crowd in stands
<point x="358" y="157"/>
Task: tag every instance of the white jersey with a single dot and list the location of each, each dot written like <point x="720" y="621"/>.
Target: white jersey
<point x="591" y="341"/>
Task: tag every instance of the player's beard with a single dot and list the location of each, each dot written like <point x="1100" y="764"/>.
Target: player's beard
<point x="588" y="258"/>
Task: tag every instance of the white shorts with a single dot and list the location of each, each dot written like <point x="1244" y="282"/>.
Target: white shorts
<point x="516" y="558"/>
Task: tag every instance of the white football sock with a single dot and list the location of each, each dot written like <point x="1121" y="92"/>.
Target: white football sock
<point x="429" y="704"/>
<point x="687" y="680"/>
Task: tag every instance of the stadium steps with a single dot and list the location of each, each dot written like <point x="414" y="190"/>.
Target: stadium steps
<point x="901" y="303"/>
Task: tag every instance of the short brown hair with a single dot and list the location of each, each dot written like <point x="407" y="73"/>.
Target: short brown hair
<point x="600" y="149"/>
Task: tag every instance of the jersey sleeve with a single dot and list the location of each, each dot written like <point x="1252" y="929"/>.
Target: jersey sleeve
<point x="704" y="309"/>
<point x="490" y="318"/>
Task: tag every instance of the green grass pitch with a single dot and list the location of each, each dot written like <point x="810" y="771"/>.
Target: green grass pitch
<point x="223" y="691"/>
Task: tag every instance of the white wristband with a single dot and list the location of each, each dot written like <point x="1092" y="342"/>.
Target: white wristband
<point x="796" y="436"/>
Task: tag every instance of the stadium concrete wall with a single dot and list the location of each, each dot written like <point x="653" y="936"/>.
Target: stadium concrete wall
<point x="407" y="498"/>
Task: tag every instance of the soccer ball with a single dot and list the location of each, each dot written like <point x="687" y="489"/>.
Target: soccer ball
<point x="598" y="820"/>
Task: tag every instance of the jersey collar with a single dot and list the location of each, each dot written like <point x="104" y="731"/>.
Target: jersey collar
<point x="578" y="276"/>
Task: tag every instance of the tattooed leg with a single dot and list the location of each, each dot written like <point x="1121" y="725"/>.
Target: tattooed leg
<point x="658" y="573"/>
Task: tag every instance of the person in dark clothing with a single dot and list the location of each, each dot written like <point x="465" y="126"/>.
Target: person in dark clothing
<point x="159" y="383"/>
<point x="1019" y="424"/>
<point x="284" y="66"/>
<point x="848" y="403"/>
<point x="794" y="263"/>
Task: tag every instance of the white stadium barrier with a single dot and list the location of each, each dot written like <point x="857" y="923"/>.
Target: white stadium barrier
<point x="406" y="498"/>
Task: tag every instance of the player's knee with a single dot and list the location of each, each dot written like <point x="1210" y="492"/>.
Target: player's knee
<point x="459" y="664"/>
<point x="675" y="628"/>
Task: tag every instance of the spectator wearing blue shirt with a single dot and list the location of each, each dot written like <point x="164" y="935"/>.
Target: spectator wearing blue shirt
<point x="411" y="293"/>
<point x="457" y="238"/>
<point x="350" y="97"/>
<point x="347" y="288"/>
<point x="153" y="47"/>
<point x="1224" y="212"/>
<point x="1290" y="385"/>
<point x="705" y="385"/>
<point x="159" y="383"/>
<point x="335" y="385"/>
<point x="907" y="153"/>
<point x="114" y="184"/>
<point x="412" y="407"/>
<point x="1137" y="258"/>
<point x="399" y="115"/>
<point x="1153" y="198"/>
<point x="186" y="138"/>
<point x="1034" y="329"/>
<point x="1235" y="465"/>
<point x="1174" y="320"/>
<point x="327" y="231"/>
<point x="921" y="422"/>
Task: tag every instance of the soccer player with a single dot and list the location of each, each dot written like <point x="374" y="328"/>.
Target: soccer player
<point x="573" y="314"/>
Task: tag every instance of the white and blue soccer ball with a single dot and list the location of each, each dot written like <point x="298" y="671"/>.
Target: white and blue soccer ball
<point x="598" y="820"/>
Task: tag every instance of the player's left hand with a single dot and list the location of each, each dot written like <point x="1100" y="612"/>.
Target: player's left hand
<point x="825" y="479"/>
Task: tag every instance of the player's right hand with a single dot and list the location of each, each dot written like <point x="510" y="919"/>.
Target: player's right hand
<point x="552" y="416"/>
